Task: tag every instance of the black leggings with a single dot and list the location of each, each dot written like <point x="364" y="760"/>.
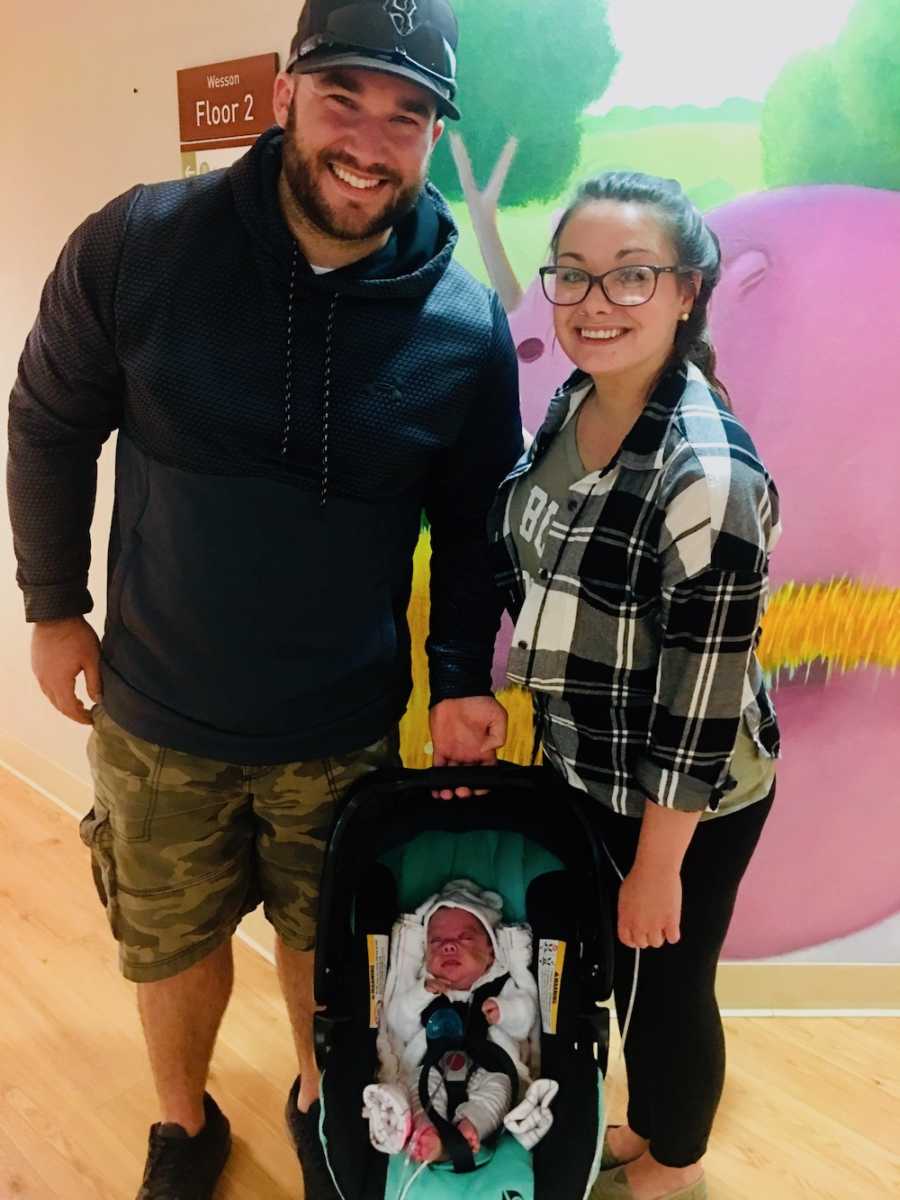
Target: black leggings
<point x="675" y="1051"/>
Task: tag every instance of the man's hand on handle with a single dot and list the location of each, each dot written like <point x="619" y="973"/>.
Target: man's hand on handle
<point x="467" y="732"/>
<point x="60" y="652"/>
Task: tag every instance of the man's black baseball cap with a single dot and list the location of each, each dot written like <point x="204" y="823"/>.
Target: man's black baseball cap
<point x="415" y="39"/>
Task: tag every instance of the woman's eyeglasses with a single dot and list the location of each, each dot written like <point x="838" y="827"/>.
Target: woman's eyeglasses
<point x="626" y="286"/>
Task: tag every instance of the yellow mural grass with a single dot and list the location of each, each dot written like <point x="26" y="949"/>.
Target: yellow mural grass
<point x="415" y="739"/>
<point x="841" y="624"/>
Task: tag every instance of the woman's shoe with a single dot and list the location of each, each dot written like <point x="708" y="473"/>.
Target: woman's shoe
<point x="614" y="1185"/>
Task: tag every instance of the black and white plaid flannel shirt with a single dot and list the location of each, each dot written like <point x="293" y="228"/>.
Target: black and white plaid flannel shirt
<point x="638" y="637"/>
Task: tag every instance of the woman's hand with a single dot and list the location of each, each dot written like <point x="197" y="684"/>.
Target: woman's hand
<point x="650" y="907"/>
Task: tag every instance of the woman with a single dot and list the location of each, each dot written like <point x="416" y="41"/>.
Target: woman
<point x="633" y="542"/>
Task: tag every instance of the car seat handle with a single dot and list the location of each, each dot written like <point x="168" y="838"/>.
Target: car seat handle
<point x="503" y="775"/>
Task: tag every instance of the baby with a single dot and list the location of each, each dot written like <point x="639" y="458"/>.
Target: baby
<point x="461" y="956"/>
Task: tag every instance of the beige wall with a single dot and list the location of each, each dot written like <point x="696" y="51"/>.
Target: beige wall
<point x="94" y="110"/>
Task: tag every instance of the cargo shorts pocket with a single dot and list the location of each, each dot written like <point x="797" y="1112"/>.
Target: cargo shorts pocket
<point x="126" y="772"/>
<point x="96" y="833"/>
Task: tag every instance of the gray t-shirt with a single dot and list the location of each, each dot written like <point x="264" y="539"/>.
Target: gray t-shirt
<point x="535" y="500"/>
<point x="540" y="495"/>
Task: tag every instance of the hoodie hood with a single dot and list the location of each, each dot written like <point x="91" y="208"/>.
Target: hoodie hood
<point x="410" y="264"/>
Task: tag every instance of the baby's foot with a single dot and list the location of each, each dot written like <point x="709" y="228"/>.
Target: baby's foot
<point x="425" y="1144"/>
<point x="470" y="1133"/>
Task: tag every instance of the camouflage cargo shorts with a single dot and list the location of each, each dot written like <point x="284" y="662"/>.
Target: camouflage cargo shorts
<point x="182" y="847"/>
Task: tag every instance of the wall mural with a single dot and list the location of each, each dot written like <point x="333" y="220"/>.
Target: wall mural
<point x="783" y="124"/>
<point x="800" y="178"/>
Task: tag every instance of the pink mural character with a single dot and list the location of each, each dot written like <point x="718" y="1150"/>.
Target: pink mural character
<point x="542" y="364"/>
<point x="806" y="328"/>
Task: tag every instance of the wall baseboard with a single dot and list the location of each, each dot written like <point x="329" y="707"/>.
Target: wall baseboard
<point x="66" y="790"/>
<point x="744" y="988"/>
<point x="776" y="989"/>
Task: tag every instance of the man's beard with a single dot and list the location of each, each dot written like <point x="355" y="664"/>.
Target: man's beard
<point x="302" y="173"/>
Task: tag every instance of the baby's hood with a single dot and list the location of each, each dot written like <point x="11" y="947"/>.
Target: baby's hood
<point x="487" y="906"/>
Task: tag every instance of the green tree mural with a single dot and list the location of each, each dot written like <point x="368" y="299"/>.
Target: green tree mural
<point x="833" y="115"/>
<point x="528" y="71"/>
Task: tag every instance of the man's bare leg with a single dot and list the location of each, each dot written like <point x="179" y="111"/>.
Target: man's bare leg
<point x="296" y="973"/>
<point x="181" y="1017"/>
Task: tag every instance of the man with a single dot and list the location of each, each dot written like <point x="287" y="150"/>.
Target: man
<point x="296" y="369"/>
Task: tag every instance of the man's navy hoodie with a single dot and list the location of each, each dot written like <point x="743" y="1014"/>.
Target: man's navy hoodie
<point x="279" y="435"/>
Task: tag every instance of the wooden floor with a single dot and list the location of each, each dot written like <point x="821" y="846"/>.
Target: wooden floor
<point x="811" y="1109"/>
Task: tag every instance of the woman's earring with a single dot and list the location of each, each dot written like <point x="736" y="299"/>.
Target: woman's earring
<point x="685" y="317"/>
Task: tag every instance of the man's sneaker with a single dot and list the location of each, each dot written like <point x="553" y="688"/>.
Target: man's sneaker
<point x="304" y="1130"/>
<point x="180" y="1167"/>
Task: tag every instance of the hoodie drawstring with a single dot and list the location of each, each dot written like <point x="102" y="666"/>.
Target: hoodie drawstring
<point x="289" y="360"/>
<point x="326" y="398"/>
<point x="289" y="379"/>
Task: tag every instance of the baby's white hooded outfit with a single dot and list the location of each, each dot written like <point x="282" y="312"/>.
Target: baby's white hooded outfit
<point x="393" y="1106"/>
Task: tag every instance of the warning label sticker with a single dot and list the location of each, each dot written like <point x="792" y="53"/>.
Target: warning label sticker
<point x="551" y="956"/>
<point x="377" y="946"/>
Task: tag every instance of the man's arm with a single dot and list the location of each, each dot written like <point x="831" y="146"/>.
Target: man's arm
<point x="467" y="724"/>
<point x="64" y="404"/>
<point x="465" y="603"/>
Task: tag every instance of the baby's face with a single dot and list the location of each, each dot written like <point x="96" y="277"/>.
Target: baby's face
<point x="458" y="948"/>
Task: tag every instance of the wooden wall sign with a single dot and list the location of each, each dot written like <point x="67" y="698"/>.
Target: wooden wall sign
<point x="226" y="105"/>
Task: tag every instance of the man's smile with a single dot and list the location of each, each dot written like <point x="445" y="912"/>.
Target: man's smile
<point x="353" y="179"/>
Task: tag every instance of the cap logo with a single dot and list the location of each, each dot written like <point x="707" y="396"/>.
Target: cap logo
<point x="401" y="13"/>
